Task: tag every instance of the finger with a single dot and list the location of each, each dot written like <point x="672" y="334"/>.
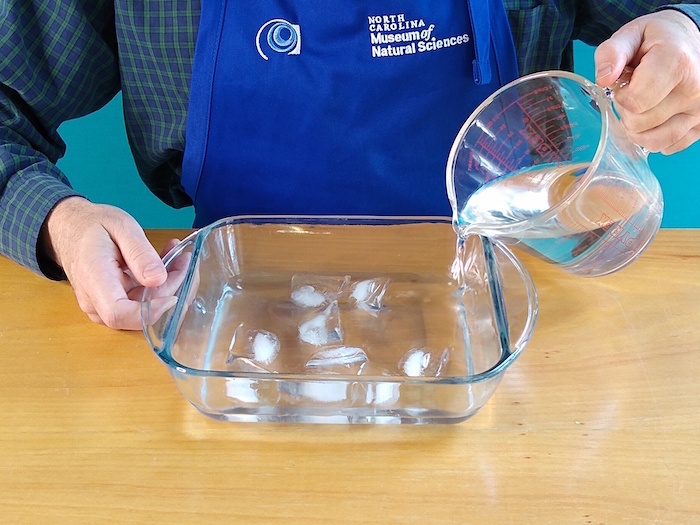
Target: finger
<point x="171" y="286"/>
<point x="663" y="138"/>
<point x="615" y="53"/>
<point x="139" y="255"/>
<point x="133" y="286"/>
<point x="169" y="246"/>
<point x="156" y="308"/>
<point x="94" y="318"/>
<point x="181" y="262"/>
<point x="110" y="301"/>
<point x="168" y="289"/>
<point x="85" y="303"/>
<point x="648" y="88"/>
<point x="684" y="142"/>
<point x="673" y="104"/>
<point x="177" y="271"/>
<point x="124" y="314"/>
<point x="127" y="280"/>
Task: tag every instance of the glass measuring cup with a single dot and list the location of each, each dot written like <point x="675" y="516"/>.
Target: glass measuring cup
<point x="545" y="162"/>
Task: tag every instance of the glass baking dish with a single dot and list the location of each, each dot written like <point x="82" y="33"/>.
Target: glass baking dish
<point x="339" y="319"/>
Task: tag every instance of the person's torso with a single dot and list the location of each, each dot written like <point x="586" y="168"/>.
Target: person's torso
<point x="156" y="42"/>
<point x="297" y="111"/>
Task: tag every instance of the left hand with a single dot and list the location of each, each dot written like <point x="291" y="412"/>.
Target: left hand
<point x="660" y="107"/>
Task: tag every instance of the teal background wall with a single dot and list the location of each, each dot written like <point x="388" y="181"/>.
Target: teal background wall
<point x="99" y="164"/>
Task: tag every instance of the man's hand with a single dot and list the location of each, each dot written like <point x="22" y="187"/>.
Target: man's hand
<point x="660" y="107"/>
<point x="107" y="259"/>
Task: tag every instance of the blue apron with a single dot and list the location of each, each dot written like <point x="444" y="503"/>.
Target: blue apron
<point x="336" y="107"/>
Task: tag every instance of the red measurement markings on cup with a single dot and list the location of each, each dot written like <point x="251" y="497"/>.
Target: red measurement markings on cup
<point x="498" y="146"/>
<point x="624" y="234"/>
<point x="543" y="116"/>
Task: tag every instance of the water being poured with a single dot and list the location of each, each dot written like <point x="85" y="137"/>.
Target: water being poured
<point x="557" y="212"/>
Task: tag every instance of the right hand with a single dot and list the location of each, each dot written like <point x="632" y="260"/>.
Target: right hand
<point x="107" y="259"/>
<point x="660" y="106"/>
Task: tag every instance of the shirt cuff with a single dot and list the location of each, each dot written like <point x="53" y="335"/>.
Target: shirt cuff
<point x="24" y="205"/>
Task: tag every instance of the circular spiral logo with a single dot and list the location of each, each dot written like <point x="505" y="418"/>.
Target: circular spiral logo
<point x="280" y="36"/>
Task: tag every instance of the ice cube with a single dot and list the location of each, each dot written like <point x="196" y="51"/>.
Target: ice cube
<point x="322" y="327"/>
<point x="338" y="360"/>
<point x="319" y="391"/>
<point x="243" y="364"/>
<point x="307" y="296"/>
<point x="264" y="345"/>
<point x="258" y="345"/>
<point x="368" y="294"/>
<point x="242" y="389"/>
<point x="375" y="392"/>
<point x="315" y="290"/>
<point x="381" y="393"/>
<point x="236" y="347"/>
<point x="419" y="362"/>
<point x="250" y="390"/>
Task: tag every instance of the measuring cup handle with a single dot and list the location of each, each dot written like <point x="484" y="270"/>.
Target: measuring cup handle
<point x="624" y="79"/>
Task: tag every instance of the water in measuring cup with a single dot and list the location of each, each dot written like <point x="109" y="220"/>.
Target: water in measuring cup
<point x="602" y="218"/>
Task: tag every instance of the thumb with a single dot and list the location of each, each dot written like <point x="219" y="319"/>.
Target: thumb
<point x="139" y="255"/>
<point x="615" y="53"/>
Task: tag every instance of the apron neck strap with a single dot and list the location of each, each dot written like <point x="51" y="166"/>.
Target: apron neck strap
<point x="481" y="29"/>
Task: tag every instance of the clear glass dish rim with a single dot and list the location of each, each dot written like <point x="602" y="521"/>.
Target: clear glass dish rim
<point x="197" y="237"/>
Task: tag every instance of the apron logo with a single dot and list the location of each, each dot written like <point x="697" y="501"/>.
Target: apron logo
<point x="279" y="36"/>
<point x="397" y="35"/>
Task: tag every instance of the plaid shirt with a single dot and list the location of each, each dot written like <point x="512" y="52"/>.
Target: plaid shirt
<point x="62" y="59"/>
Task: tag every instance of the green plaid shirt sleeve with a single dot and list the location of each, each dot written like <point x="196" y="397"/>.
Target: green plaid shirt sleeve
<point x="57" y="62"/>
<point x="544" y="30"/>
<point x="61" y="59"/>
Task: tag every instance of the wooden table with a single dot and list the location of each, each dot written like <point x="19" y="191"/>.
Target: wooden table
<point x="597" y="422"/>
